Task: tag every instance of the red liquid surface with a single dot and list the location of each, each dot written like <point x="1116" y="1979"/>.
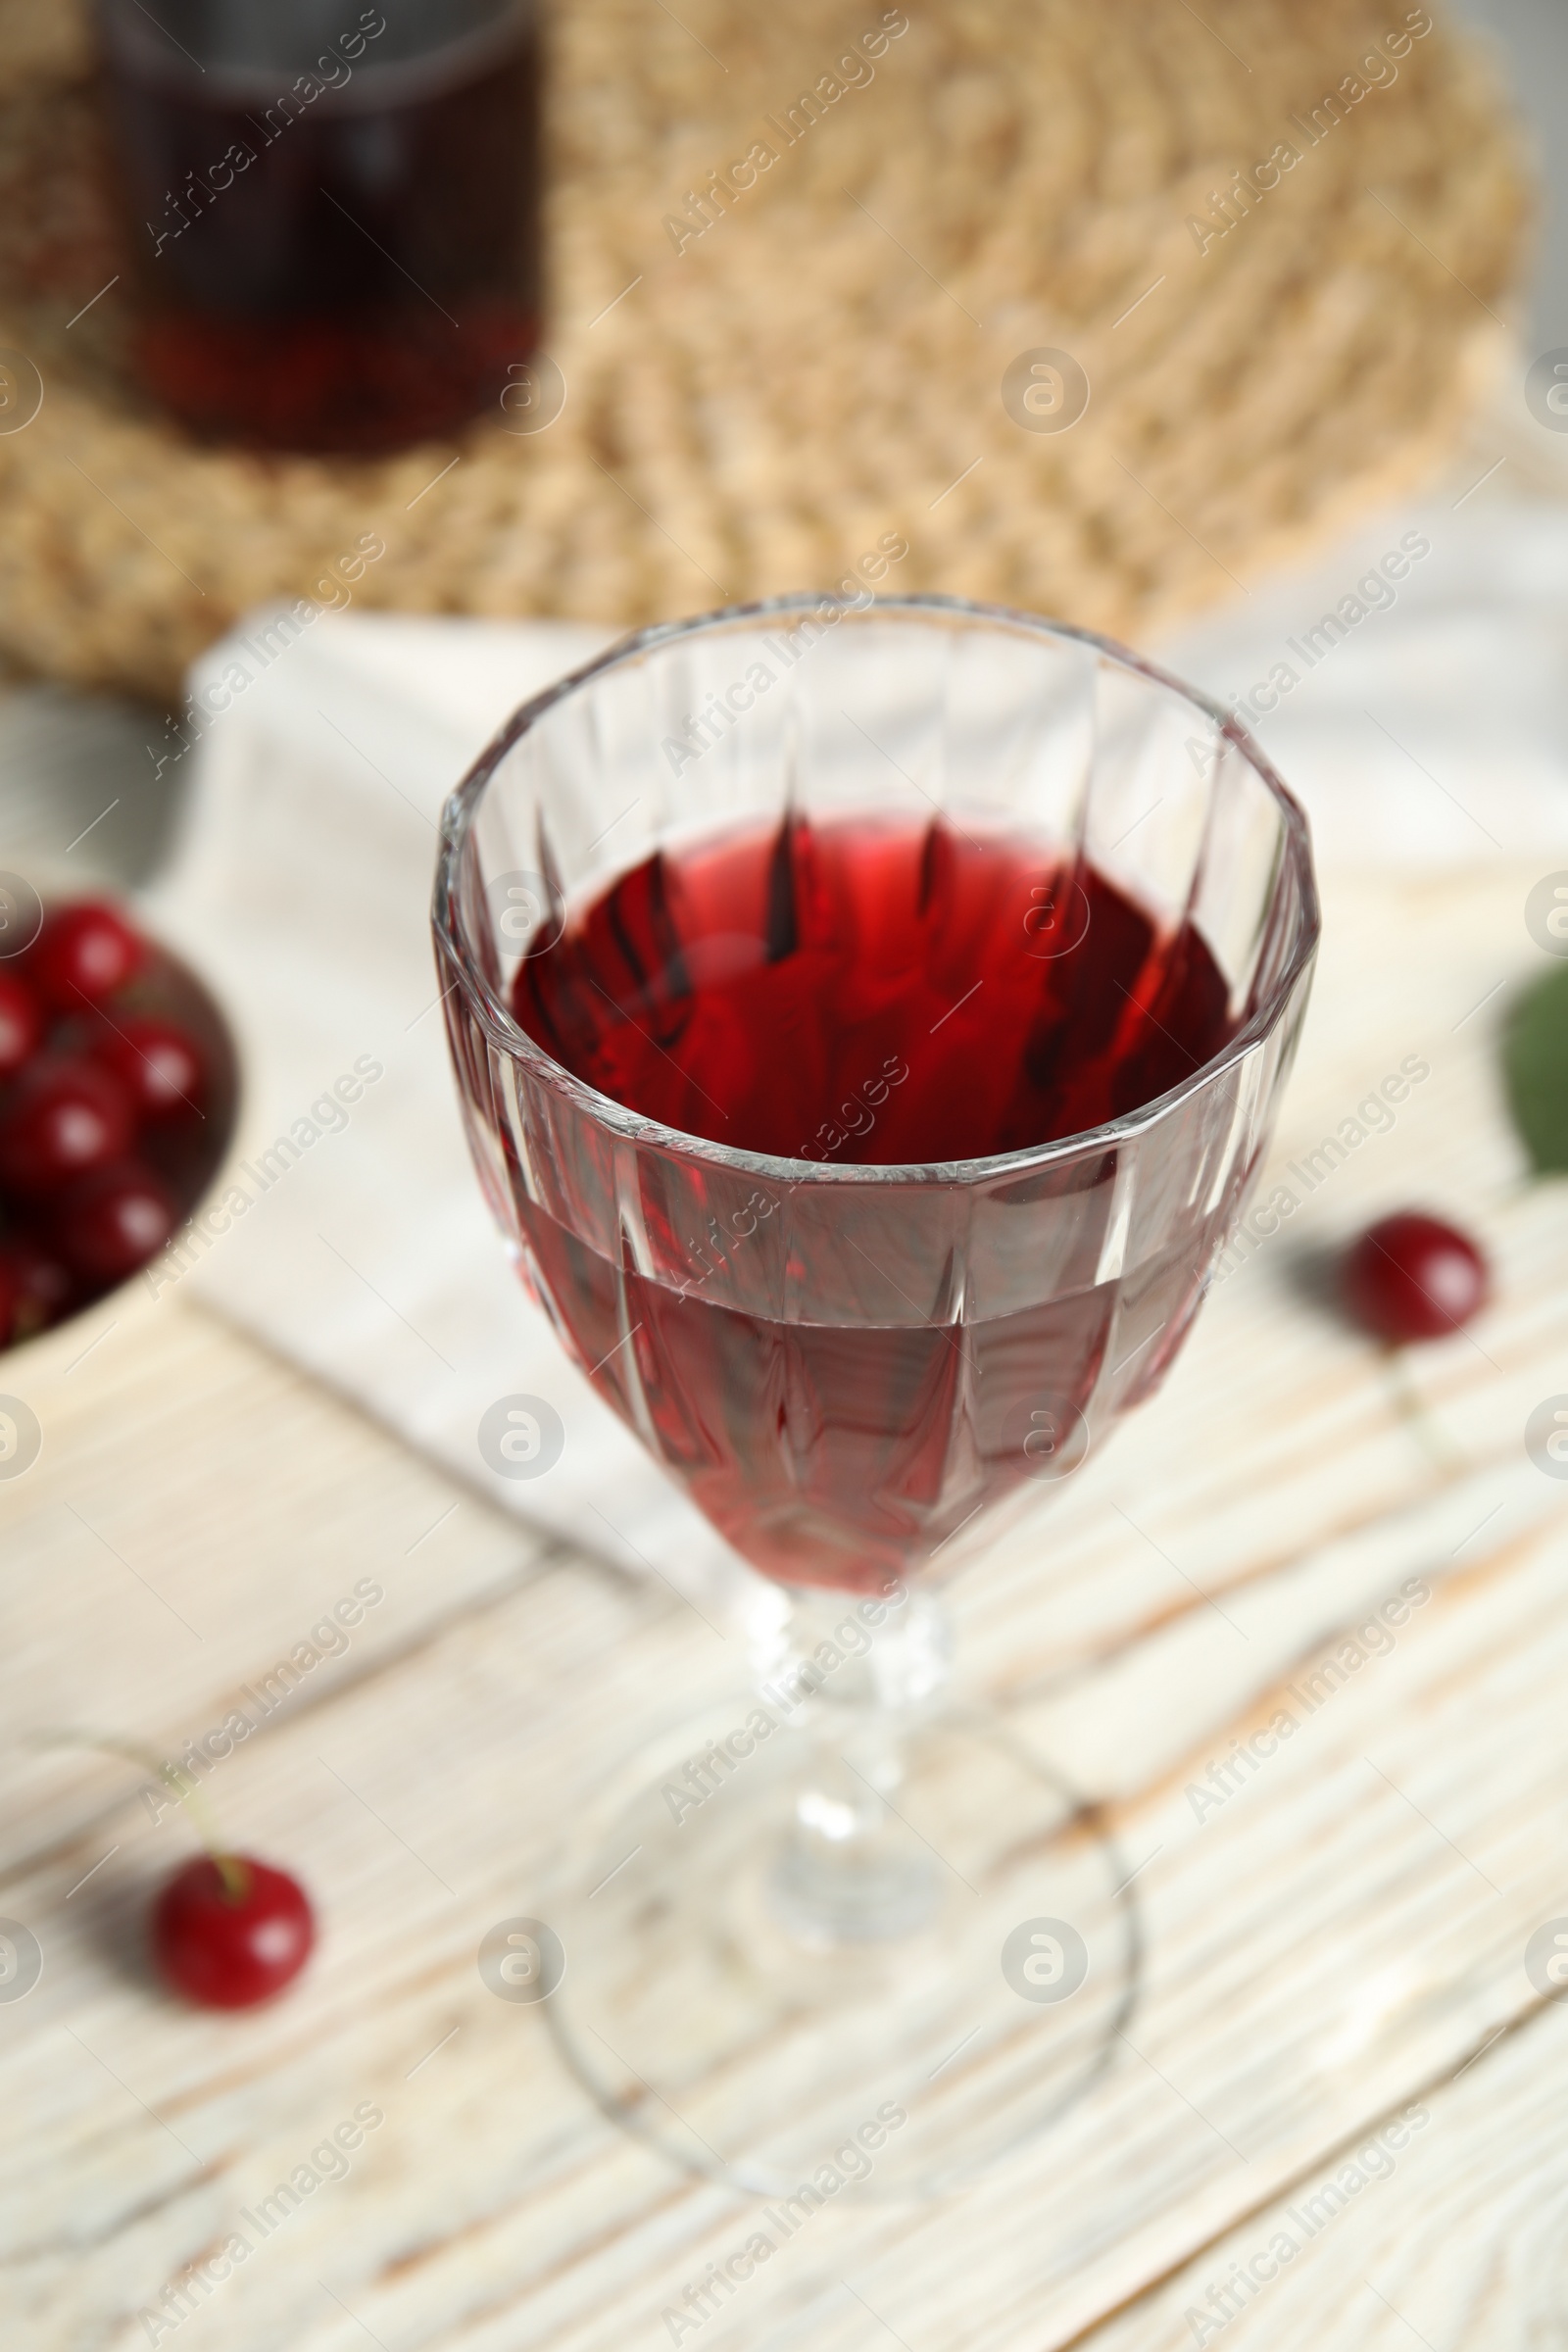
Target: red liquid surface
<point x="875" y="992"/>
<point x="335" y="274"/>
<point x="753" y="990"/>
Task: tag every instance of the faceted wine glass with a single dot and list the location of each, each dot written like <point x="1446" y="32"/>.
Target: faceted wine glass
<point x="844" y="1926"/>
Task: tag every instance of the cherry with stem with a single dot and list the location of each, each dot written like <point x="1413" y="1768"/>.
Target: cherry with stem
<point x="1412" y="1277"/>
<point x="226" y="1930"/>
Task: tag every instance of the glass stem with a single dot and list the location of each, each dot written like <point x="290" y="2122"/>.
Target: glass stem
<point x="852" y="1677"/>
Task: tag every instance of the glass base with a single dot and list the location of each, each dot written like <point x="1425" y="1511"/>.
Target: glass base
<point x="819" y="1966"/>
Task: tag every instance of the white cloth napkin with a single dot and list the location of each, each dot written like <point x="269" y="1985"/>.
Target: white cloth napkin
<point x="301" y="887"/>
<point x="1430" y="726"/>
<point x="1426" y="723"/>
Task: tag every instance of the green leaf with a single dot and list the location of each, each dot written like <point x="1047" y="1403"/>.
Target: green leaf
<point x="1535" y="1068"/>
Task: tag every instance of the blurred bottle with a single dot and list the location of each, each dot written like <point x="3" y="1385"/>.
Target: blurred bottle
<point x="333" y="209"/>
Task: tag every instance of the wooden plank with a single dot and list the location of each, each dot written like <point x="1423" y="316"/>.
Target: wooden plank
<point x="1328" y="1939"/>
<point x="197" y="1510"/>
<point x="1454" y="2238"/>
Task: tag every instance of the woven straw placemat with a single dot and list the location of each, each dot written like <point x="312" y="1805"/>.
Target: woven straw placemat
<point x="1276" y="246"/>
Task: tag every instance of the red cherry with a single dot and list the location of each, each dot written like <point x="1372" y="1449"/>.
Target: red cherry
<point x="88" y="949"/>
<point x="20" y="1023"/>
<point x="1411" y="1276"/>
<point x="110" y="1222"/>
<point x="61" y="1118"/>
<point x="41" y="1286"/>
<point x="155" y="1063"/>
<point x="229" y="1949"/>
<point x="10" y="1299"/>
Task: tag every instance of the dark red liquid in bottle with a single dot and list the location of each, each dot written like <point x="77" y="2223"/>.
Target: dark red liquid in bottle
<point x="888" y="993"/>
<point x="336" y="249"/>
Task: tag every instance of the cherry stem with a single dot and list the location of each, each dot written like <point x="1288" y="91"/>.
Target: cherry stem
<point x="1412" y="1407"/>
<point x="229" y="1866"/>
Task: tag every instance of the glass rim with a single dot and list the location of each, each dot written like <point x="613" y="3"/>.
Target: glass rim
<point x="503" y="1029"/>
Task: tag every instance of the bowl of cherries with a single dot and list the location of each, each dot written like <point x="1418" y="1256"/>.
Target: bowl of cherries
<point x="118" y="1094"/>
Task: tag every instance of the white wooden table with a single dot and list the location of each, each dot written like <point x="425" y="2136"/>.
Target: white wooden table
<point x="1336" y="1946"/>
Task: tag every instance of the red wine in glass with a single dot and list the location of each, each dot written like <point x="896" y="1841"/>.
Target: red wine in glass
<point x="332" y="211"/>
<point x="873" y="992"/>
<point x="870" y="1167"/>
